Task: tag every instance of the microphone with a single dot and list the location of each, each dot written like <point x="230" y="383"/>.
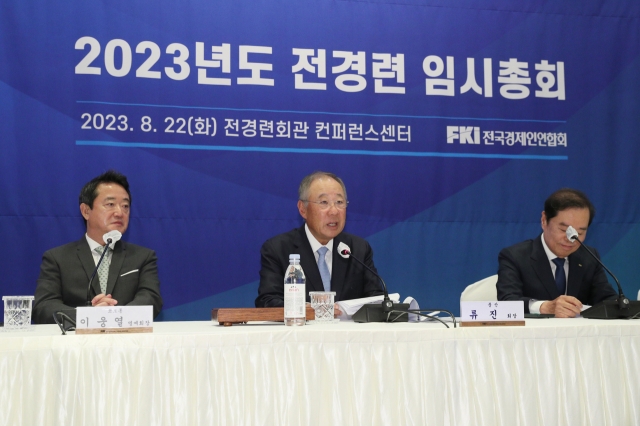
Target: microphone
<point x="114" y="236"/>
<point x="109" y="238"/>
<point x="600" y="310"/>
<point x="364" y="314"/>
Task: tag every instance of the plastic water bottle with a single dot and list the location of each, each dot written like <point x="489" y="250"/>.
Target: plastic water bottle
<point x="294" y="293"/>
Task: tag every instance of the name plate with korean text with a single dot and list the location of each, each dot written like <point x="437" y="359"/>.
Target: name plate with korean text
<point x="478" y="314"/>
<point x="114" y="319"/>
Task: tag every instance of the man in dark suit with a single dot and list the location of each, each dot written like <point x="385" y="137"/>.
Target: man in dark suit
<point x="323" y="204"/>
<point x="549" y="273"/>
<point x="130" y="275"/>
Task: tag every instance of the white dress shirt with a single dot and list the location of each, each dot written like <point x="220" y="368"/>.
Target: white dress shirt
<point x="93" y="245"/>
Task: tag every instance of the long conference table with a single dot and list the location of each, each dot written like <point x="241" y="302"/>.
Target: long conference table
<point x="549" y="372"/>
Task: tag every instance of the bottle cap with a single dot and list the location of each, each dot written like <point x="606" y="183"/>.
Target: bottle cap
<point x="294" y="257"/>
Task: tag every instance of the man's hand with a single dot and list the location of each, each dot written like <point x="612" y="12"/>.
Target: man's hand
<point x="562" y="307"/>
<point x="103" y="300"/>
<point x="336" y="310"/>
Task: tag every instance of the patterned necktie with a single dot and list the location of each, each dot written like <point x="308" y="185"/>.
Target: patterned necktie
<point x="561" y="278"/>
<point x="103" y="270"/>
<point x="324" y="269"/>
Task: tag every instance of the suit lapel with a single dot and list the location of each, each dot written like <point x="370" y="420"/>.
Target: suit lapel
<point x="540" y="263"/>
<point x="88" y="264"/>
<point x="575" y="274"/>
<point x="308" y="262"/>
<point x="117" y="259"/>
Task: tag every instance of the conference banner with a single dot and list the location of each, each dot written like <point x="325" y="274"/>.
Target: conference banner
<point x="450" y="122"/>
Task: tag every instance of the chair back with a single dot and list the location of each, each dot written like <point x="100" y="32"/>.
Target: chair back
<point x="483" y="290"/>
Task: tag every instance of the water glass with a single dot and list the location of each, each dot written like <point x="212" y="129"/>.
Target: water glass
<point x="17" y="312"/>
<point x="322" y="303"/>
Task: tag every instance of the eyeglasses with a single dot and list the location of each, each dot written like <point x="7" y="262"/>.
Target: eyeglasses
<point x="325" y="204"/>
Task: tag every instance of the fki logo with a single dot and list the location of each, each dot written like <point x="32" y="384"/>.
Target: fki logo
<point x="465" y="135"/>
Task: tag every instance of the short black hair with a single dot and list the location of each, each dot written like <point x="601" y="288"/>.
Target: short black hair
<point x="89" y="192"/>
<point x="567" y="198"/>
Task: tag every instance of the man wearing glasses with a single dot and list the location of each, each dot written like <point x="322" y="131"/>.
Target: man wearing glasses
<point x="322" y="202"/>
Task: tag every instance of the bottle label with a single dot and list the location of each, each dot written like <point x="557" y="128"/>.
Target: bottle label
<point x="294" y="301"/>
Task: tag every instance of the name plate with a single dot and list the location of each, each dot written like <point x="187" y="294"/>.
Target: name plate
<point x="114" y="319"/>
<point x="475" y="314"/>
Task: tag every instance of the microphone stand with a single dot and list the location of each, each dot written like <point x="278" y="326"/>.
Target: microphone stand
<point x="622" y="303"/>
<point x="106" y="248"/>
<point x="387" y="303"/>
<point x="383" y="312"/>
<point x="67" y="322"/>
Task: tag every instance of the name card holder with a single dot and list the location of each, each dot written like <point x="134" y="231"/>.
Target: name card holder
<point x="230" y="316"/>
<point x="114" y="319"/>
<point x="479" y="314"/>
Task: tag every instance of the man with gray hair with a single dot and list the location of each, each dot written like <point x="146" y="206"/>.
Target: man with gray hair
<point x="322" y="202"/>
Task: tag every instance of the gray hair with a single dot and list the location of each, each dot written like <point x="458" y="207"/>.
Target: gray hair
<point x="303" y="190"/>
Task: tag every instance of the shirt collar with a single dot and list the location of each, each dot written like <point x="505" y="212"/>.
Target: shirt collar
<point x="93" y="244"/>
<point x="315" y="244"/>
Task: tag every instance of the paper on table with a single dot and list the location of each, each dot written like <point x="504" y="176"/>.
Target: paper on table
<point x="413" y="305"/>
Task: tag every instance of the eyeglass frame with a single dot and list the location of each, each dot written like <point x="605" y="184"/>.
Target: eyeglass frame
<point x="328" y="204"/>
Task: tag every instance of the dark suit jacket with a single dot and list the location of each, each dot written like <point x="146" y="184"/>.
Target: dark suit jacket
<point x="349" y="279"/>
<point x="525" y="273"/>
<point x="65" y="273"/>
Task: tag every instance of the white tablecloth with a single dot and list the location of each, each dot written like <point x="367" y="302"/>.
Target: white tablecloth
<point x="550" y="372"/>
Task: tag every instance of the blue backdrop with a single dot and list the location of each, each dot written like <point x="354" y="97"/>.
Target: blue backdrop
<point x="450" y="122"/>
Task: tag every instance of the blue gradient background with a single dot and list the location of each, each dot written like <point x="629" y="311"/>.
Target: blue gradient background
<point x="435" y="223"/>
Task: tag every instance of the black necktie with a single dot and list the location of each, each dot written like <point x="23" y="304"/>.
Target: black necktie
<point x="561" y="278"/>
